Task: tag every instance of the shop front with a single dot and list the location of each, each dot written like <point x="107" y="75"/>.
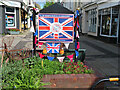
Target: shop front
<point x="10" y="15"/>
<point x="109" y="23"/>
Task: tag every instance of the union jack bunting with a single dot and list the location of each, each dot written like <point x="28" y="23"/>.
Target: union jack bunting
<point x="53" y="47"/>
<point x="56" y="27"/>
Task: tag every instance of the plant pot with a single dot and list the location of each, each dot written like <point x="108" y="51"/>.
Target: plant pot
<point x="14" y="32"/>
<point x="71" y="80"/>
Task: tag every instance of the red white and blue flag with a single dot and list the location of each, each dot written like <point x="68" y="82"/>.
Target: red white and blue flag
<point x="53" y="47"/>
<point x="56" y="27"/>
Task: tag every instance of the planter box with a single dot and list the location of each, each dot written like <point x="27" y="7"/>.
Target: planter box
<point x="14" y="32"/>
<point x="71" y="81"/>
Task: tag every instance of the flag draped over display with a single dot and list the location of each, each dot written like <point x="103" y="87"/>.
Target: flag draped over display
<point x="53" y="47"/>
<point x="56" y="27"/>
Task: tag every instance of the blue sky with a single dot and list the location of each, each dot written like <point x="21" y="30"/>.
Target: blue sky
<point x="41" y="4"/>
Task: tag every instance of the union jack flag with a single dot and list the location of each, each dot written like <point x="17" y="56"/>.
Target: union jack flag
<point x="53" y="47"/>
<point x="56" y="27"/>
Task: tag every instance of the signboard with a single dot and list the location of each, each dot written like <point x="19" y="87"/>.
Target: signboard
<point x="55" y="27"/>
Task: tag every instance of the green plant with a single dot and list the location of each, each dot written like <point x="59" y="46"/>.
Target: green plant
<point x="14" y="75"/>
<point x="9" y="71"/>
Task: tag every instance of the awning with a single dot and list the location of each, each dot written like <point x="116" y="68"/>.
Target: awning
<point x="12" y="3"/>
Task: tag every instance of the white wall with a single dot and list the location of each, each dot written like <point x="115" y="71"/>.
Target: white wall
<point x="85" y="22"/>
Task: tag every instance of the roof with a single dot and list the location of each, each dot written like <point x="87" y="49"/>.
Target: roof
<point x="56" y="8"/>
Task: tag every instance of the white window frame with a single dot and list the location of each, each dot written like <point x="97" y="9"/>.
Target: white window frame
<point x="111" y="9"/>
<point x="7" y="27"/>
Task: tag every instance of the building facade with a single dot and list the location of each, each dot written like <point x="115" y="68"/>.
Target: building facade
<point x="9" y="15"/>
<point x="72" y="4"/>
<point x="101" y="18"/>
<point x="15" y="14"/>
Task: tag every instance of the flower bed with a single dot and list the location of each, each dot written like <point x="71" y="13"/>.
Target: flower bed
<point x="29" y="76"/>
<point x="13" y="31"/>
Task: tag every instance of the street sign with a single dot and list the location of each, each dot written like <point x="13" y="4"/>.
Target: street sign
<point x="55" y="27"/>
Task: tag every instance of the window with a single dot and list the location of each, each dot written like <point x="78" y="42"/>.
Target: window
<point x="9" y="9"/>
<point x="92" y="20"/>
<point x="105" y="24"/>
<point x="10" y="20"/>
<point x="10" y="17"/>
<point x="109" y="21"/>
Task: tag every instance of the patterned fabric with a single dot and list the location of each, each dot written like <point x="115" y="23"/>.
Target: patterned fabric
<point x="56" y="27"/>
<point x="53" y="47"/>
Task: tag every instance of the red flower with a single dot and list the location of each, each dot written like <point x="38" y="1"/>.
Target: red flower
<point x="81" y="63"/>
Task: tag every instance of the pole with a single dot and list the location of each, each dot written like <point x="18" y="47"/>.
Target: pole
<point x="34" y="23"/>
<point x="75" y="36"/>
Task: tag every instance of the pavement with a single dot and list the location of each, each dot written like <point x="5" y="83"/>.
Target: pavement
<point x="102" y="57"/>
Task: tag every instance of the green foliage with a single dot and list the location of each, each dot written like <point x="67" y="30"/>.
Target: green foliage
<point x="48" y="3"/>
<point x="29" y="74"/>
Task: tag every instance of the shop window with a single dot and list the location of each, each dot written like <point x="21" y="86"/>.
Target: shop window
<point x="109" y="21"/>
<point x="10" y="17"/>
<point x="105" y="24"/>
<point x="10" y="20"/>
